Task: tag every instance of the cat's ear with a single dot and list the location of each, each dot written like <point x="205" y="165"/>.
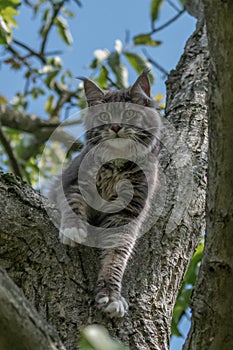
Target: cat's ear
<point x="142" y="83"/>
<point x="92" y="91"/>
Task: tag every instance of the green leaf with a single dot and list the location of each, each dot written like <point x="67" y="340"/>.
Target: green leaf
<point x="46" y="15"/>
<point x="97" y="338"/>
<point x="118" y="69"/>
<point x="49" y="104"/>
<point x="182" y="2"/>
<point x="9" y="3"/>
<point x="63" y="30"/>
<point x="154" y="9"/>
<point x="49" y="80"/>
<point x="36" y="91"/>
<point x="15" y="64"/>
<point x="145" y="39"/>
<point x="3" y="100"/>
<point x="103" y="77"/>
<point x="5" y="32"/>
<point x="94" y="63"/>
<point x="8" y="14"/>
<point x="183" y="298"/>
<point x="139" y="63"/>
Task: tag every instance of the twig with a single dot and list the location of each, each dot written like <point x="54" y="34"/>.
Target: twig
<point x="16" y="54"/>
<point x="112" y="83"/>
<point x="56" y="9"/>
<point x="78" y="3"/>
<point x="32" y="52"/>
<point x="14" y="164"/>
<point x="166" y="24"/>
<point x="154" y="63"/>
<point x="55" y="52"/>
<point x="170" y="2"/>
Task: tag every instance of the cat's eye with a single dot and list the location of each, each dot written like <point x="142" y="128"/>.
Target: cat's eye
<point x="130" y="114"/>
<point x="104" y="117"/>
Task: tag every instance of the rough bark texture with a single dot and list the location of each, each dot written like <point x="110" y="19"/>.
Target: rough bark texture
<point x="59" y="280"/>
<point x="213" y="298"/>
<point x="21" y="326"/>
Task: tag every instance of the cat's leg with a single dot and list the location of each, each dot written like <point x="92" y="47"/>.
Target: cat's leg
<point x="73" y="229"/>
<point x="109" y="283"/>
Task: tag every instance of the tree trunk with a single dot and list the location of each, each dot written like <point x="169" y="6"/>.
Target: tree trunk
<point x="213" y="298"/>
<point x="21" y="326"/>
<point x="59" y="280"/>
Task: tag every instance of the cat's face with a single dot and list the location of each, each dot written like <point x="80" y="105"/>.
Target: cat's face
<point x="121" y="115"/>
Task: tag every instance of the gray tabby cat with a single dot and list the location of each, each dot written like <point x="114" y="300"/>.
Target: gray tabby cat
<point x="121" y="139"/>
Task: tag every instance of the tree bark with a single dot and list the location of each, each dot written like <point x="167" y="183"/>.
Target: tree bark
<point x="59" y="280"/>
<point x="212" y="304"/>
<point x="21" y="326"/>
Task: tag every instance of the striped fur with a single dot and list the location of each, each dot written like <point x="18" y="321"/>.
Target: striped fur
<point x="119" y="117"/>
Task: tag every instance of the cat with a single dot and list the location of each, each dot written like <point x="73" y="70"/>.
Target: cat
<point x="120" y="157"/>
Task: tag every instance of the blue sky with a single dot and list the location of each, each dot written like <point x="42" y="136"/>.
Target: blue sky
<point x="96" y="26"/>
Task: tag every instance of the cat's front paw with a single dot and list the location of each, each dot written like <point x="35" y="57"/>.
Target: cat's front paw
<point x="73" y="235"/>
<point x="113" y="306"/>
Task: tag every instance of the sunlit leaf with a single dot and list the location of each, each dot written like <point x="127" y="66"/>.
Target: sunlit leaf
<point x="49" y="80"/>
<point x="3" y="100"/>
<point x="118" y="69"/>
<point x="5" y="32"/>
<point x="103" y="77"/>
<point x="36" y="91"/>
<point x="97" y="338"/>
<point x="183" y="298"/>
<point x="154" y="9"/>
<point x="63" y="30"/>
<point x="118" y="46"/>
<point x="46" y="15"/>
<point x="9" y="3"/>
<point x="49" y="104"/>
<point x="139" y="63"/>
<point x="145" y="39"/>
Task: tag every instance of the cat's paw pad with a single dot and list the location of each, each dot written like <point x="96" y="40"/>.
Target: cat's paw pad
<point x="73" y="235"/>
<point x="114" y="308"/>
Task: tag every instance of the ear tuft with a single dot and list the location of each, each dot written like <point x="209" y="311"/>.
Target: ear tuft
<point x="143" y="83"/>
<point x="92" y="91"/>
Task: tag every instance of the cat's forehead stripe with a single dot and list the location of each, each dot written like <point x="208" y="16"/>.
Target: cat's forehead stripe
<point x="117" y="96"/>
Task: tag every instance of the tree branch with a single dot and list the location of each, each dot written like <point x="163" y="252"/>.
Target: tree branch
<point x="21" y="326"/>
<point x="60" y="280"/>
<point x="6" y="144"/>
<point x="42" y="129"/>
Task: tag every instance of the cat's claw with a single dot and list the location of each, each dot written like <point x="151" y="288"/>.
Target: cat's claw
<point x="73" y="235"/>
<point x="114" y="308"/>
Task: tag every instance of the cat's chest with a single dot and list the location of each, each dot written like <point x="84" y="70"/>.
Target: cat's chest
<point x="110" y="176"/>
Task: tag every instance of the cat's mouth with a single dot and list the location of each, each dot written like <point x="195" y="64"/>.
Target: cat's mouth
<point x="118" y="134"/>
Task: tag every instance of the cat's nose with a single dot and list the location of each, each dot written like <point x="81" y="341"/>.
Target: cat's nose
<point x="116" y="127"/>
